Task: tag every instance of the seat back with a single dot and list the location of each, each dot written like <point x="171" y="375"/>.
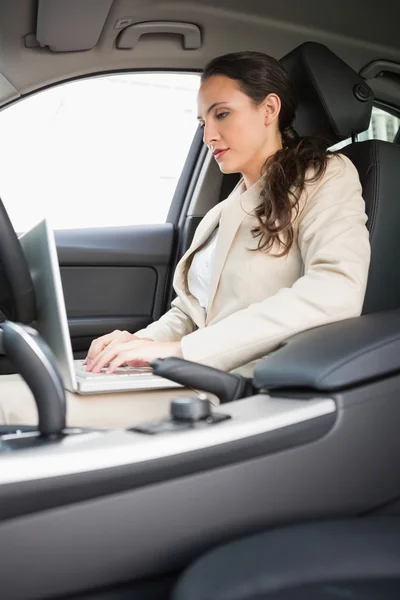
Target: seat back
<point x="378" y="164"/>
<point x="336" y="103"/>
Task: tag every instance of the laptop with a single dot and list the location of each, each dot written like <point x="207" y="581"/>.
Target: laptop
<point x="40" y="251"/>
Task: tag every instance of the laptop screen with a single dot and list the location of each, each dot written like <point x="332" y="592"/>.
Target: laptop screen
<point x="40" y="251"/>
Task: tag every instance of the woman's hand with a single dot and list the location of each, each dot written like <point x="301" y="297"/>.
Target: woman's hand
<point x="136" y="353"/>
<point x="98" y="345"/>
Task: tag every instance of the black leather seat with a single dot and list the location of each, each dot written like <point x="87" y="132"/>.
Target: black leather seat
<point x="341" y="560"/>
<point x="335" y="102"/>
<point x="357" y="559"/>
<point x="378" y="164"/>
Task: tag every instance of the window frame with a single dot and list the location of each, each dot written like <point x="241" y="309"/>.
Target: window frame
<point x="194" y="160"/>
<point x="391" y="110"/>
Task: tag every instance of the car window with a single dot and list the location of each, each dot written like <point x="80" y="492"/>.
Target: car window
<point x="95" y="152"/>
<point x="383" y="126"/>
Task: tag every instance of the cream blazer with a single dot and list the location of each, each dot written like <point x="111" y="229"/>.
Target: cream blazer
<point x="256" y="300"/>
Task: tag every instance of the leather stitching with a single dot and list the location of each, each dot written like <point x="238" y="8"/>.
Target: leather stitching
<point x="375" y="184"/>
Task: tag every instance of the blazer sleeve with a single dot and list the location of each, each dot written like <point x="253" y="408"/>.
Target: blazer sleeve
<point x="335" y="249"/>
<point x="171" y="327"/>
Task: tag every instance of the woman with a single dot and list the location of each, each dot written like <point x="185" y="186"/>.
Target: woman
<point x="287" y="251"/>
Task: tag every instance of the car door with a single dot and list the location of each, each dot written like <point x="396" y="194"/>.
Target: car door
<point x="109" y="165"/>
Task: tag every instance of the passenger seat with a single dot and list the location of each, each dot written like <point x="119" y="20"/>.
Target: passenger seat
<point x="359" y="558"/>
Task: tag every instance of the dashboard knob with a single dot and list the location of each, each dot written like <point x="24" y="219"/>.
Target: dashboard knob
<point x="190" y="408"/>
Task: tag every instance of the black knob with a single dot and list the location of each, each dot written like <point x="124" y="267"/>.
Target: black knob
<point x="190" y="408"/>
<point x="362" y="92"/>
<point x="34" y="361"/>
<point x="227" y="386"/>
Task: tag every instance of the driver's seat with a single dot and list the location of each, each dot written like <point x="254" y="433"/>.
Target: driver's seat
<point x="335" y="102"/>
<point x="359" y="558"/>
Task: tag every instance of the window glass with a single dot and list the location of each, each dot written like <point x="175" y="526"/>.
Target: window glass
<point x="383" y="126"/>
<point x="102" y="151"/>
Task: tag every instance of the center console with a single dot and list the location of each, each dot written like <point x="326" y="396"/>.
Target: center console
<point x="128" y="504"/>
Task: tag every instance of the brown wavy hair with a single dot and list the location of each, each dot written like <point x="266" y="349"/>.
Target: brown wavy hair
<point x="301" y="160"/>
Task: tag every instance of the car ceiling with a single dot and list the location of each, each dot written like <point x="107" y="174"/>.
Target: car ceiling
<point x="358" y="31"/>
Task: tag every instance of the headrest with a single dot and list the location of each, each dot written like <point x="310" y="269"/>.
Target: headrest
<point x="333" y="100"/>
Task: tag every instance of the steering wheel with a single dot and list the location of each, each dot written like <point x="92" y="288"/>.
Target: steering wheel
<point x="17" y="294"/>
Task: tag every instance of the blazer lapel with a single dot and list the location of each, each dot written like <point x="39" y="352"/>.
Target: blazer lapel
<point x="239" y="205"/>
<point x="191" y="303"/>
<point x="199" y="240"/>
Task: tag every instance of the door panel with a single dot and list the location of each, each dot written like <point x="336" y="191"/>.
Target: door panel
<point x="138" y="244"/>
<point x="114" y="278"/>
<point x="94" y="290"/>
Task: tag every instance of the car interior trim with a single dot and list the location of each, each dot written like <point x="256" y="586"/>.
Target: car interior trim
<point x="256" y="415"/>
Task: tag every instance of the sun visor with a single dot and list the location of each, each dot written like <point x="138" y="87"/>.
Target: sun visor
<point x="72" y="25"/>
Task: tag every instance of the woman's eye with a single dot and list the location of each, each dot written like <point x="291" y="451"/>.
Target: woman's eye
<point x="201" y="125"/>
<point x="222" y="115"/>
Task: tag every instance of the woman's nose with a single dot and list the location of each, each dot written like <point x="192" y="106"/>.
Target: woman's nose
<point x="210" y="134"/>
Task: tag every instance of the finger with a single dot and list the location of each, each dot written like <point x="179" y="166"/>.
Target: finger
<point x="112" y="350"/>
<point x="105" y="357"/>
<point x="127" y="356"/>
<point x="116" y="336"/>
<point x="99" y="344"/>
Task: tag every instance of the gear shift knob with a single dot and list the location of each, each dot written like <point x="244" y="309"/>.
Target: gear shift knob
<point x="190" y="408"/>
<point x="34" y="361"/>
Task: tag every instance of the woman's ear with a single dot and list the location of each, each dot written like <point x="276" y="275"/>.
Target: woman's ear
<point x="272" y="108"/>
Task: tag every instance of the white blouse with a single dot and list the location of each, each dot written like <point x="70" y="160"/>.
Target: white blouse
<point x="199" y="276"/>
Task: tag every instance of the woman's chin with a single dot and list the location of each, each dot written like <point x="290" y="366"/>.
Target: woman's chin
<point x="227" y="168"/>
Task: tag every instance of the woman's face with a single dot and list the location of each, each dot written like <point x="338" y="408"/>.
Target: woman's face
<point x="240" y="134"/>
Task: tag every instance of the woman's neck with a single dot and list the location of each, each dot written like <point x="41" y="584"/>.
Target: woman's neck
<point x="254" y="173"/>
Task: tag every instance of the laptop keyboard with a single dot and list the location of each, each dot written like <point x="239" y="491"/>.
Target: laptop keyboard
<point x="80" y="369"/>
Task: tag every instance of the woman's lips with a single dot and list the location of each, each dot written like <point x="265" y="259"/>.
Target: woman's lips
<point x="220" y="153"/>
